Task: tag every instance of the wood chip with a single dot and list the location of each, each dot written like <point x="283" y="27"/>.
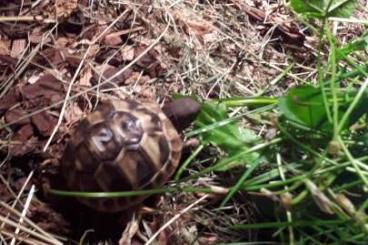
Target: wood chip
<point x="18" y="47"/>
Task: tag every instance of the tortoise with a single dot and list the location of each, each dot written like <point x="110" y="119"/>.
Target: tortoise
<point x="125" y="145"/>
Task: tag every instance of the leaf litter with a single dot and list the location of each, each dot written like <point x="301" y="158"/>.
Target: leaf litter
<point x="210" y="49"/>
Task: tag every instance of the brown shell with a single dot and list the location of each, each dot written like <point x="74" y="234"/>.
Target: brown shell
<point x="124" y="145"/>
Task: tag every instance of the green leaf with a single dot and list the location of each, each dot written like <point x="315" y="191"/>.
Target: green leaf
<point x="304" y="105"/>
<point x="341" y="8"/>
<point x="323" y="8"/>
<point x="230" y="138"/>
<point x="356" y="45"/>
<point x="308" y="8"/>
<point x="359" y="110"/>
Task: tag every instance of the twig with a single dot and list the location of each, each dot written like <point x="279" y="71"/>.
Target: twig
<point x="30" y="18"/>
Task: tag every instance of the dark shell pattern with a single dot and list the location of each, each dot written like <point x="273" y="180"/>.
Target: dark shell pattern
<point x="123" y="145"/>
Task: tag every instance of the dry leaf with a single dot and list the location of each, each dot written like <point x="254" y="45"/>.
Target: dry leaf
<point x="322" y="201"/>
<point x="112" y="39"/>
<point x="23" y="141"/>
<point x="127" y="52"/>
<point x="129" y="232"/>
<point x="9" y="100"/>
<point x="195" y="26"/>
<point x="44" y="123"/>
<point x="34" y="78"/>
<point x="47" y="86"/>
<point x="288" y="31"/>
<point x="72" y="114"/>
<point x="109" y="71"/>
<point x="37" y="36"/>
<point x="64" y="8"/>
<point x="4" y="48"/>
<point x="15" y="114"/>
<point x="86" y="76"/>
<point x="115" y="38"/>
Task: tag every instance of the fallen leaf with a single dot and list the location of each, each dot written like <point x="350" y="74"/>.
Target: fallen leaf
<point x="37" y="36"/>
<point x="34" y="78"/>
<point x="23" y="134"/>
<point x="4" y="48"/>
<point x="47" y="86"/>
<point x="9" y="100"/>
<point x="86" y="76"/>
<point x="112" y="39"/>
<point x="114" y="58"/>
<point x="23" y="141"/>
<point x="107" y="72"/>
<point x="15" y="114"/>
<point x="64" y="8"/>
<point x="130" y="230"/>
<point x="18" y="47"/>
<point x="44" y="123"/>
<point x="150" y="62"/>
<point x="288" y="31"/>
<point x="8" y="61"/>
<point x="127" y="52"/>
<point x="72" y="114"/>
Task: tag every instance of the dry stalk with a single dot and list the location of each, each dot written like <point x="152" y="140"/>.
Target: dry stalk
<point x="173" y="219"/>
<point x="24" y="212"/>
<point x="31" y="223"/>
<point x="17" y="198"/>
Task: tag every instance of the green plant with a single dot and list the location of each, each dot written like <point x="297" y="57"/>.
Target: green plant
<point x="317" y="163"/>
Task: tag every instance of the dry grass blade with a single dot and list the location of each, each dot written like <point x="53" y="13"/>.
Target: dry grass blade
<point x="22" y="216"/>
<point x="30" y="223"/>
<point x="24" y="212"/>
<point x="38" y="18"/>
<point x="20" y="193"/>
<point x="173" y="219"/>
<point x="29" y="231"/>
<point x="24" y="239"/>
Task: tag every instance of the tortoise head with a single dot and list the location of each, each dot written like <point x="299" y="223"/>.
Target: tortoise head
<point x="182" y="112"/>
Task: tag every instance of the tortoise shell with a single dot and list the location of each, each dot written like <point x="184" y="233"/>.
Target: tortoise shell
<point x="124" y="145"/>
